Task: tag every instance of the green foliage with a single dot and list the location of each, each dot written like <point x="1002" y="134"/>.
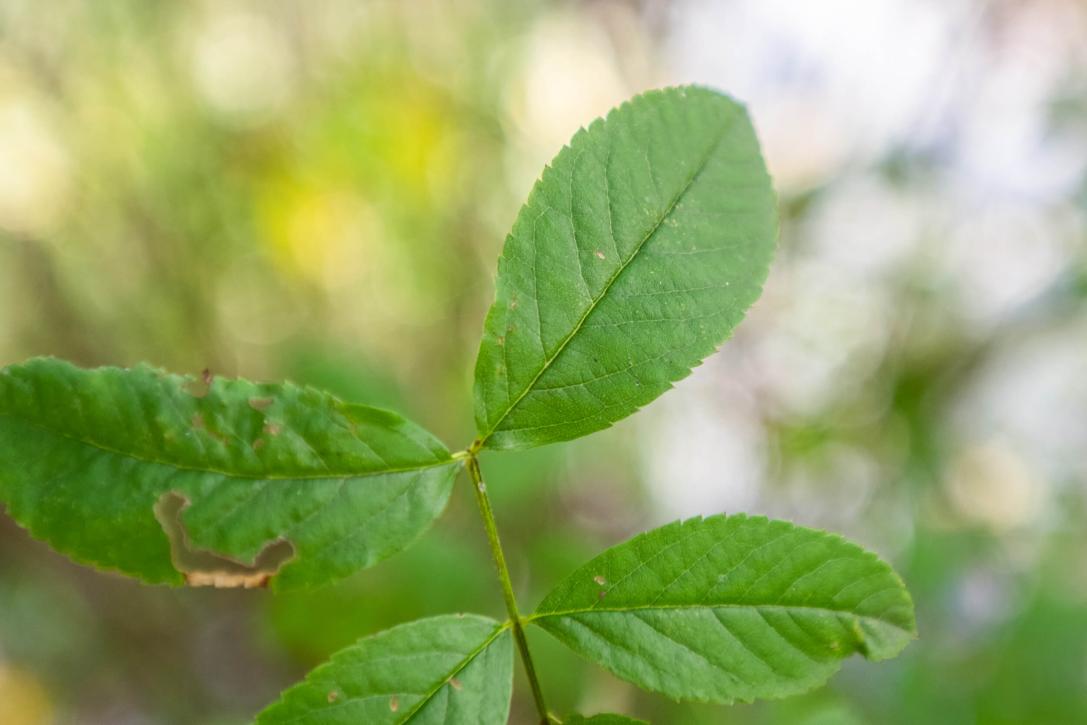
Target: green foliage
<point x="725" y="609"/>
<point x="638" y="252"/>
<point x="449" y="669"/>
<point x="245" y="479"/>
<point x="604" y="719"/>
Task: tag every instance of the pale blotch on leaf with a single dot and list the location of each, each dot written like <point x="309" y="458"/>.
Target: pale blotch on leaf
<point x="455" y="683"/>
<point x="209" y="569"/>
<point x="261" y="404"/>
<point x="394" y="703"/>
<point x="272" y="429"/>
<point x="333" y="696"/>
<point x="600" y="580"/>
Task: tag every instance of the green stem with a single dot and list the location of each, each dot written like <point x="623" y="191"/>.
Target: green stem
<point x="487" y="513"/>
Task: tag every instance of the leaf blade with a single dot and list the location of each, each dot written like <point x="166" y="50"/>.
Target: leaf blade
<point x="729" y="609"/>
<point x="654" y="229"/>
<point x="602" y="719"/>
<point x="146" y="473"/>
<point x="449" y="669"/>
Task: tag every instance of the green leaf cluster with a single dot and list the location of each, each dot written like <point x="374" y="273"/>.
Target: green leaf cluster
<point x="639" y="250"/>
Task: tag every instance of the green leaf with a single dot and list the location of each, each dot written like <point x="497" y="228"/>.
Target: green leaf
<point x="730" y="608"/>
<point x="637" y="253"/>
<point x="211" y="481"/>
<point x="602" y="719"/>
<point x="449" y="669"/>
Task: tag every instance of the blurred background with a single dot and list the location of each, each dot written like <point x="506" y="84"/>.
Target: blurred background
<point x="319" y="191"/>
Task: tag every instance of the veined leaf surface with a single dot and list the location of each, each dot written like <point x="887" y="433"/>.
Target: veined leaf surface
<point x="639" y="250"/>
<point x="226" y="482"/>
<point x="448" y="670"/>
<point x="602" y="719"/>
<point x="730" y="608"/>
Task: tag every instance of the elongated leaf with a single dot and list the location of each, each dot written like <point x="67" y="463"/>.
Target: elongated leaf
<point x="602" y="719"/>
<point x="454" y="669"/>
<point x="226" y="482"/>
<point x="724" y="609"/>
<point x="637" y="253"/>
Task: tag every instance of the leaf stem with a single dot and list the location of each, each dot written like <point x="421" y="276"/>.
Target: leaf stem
<point x="487" y="513"/>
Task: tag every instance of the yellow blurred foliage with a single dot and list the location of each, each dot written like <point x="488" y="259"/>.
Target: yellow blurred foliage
<point x="23" y="699"/>
<point x="320" y="233"/>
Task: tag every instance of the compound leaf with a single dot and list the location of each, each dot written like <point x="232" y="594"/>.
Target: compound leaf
<point x="730" y="608"/>
<point x="225" y="482"/>
<point x="451" y="669"/>
<point x="638" y="251"/>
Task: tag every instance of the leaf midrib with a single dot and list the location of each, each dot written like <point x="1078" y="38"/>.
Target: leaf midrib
<point x="535" y="618"/>
<point x="607" y="287"/>
<point x="217" y="471"/>
<point x="468" y="659"/>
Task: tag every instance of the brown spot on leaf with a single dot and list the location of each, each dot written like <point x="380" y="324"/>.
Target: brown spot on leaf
<point x="600" y="580"/>
<point x="602" y="594"/>
<point x="198" y="387"/>
<point x="258" y="444"/>
<point x="394" y="703"/>
<point x="227" y="580"/>
<point x="203" y="568"/>
<point x="261" y="404"/>
<point x="272" y="429"/>
<point x="455" y="683"/>
<point x="198" y="421"/>
<point x="333" y="696"/>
